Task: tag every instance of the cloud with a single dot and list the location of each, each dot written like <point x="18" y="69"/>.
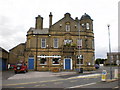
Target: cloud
<point x="10" y="34"/>
<point x="19" y="15"/>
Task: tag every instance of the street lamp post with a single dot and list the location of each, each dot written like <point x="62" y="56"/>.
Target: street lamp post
<point x="36" y="51"/>
<point x="109" y="51"/>
<point x="79" y="42"/>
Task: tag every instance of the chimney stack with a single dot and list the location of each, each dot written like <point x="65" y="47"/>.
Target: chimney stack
<point x="50" y="19"/>
<point x="39" y="22"/>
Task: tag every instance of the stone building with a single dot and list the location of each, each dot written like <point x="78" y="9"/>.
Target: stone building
<point x="113" y="58"/>
<point x="17" y="53"/>
<point x="66" y="44"/>
<point x="4" y="55"/>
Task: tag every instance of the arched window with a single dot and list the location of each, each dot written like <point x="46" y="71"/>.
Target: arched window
<point x="67" y="26"/>
<point x="87" y="26"/>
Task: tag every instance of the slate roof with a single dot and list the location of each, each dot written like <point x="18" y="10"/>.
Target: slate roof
<point x="38" y="31"/>
<point x="85" y="16"/>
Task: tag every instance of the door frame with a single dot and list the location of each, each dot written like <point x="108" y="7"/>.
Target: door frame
<point x="33" y="63"/>
<point x="70" y="63"/>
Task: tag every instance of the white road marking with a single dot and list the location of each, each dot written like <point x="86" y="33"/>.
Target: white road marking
<point x="116" y="87"/>
<point x="82" y="85"/>
<point x="86" y="76"/>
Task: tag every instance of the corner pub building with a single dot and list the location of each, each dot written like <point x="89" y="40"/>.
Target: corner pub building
<point x="65" y="45"/>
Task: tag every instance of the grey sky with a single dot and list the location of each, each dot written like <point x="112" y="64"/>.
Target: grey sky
<point x="17" y="16"/>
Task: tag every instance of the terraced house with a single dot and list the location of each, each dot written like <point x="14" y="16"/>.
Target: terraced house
<point x="66" y="44"/>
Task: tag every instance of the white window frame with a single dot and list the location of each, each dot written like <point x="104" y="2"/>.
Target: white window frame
<point x="81" y="58"/>
<point x="58" y="61"/>
<point x="79" y="42"/>
<point x="87" y="26"/>
<point x="55" y="41"/>
<point x="67" y="27"/>
<point x="42" y="43"/>
<point x="67" y="41"/>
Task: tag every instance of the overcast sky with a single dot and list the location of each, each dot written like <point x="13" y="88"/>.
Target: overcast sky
<point x="17" y="16"/>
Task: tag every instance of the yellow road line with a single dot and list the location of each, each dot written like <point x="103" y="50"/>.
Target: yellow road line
<point x="19" y="87"/>
<point x="43" y="84"/>
<point x="58" y="82"/>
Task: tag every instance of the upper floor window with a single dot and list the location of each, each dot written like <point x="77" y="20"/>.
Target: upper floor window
<point x="79" y="43"/>
<point x="67" y="26"/>
<point x="43" y="43"/>
<point x="92" y="44"/>
<point x="117" y="57"/>
<point x="67" y="41"/>
<point x="55" y="43"/>
<point x="87" y="26"/>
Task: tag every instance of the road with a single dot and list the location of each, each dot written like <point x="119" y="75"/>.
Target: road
<point x="91" y="80"/>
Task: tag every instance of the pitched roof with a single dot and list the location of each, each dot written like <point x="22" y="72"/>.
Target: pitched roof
<point x="38" y="31"/>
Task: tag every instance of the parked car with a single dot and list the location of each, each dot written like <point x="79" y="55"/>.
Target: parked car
<point x="97" y="66"/>
<point x="20" y="67"/>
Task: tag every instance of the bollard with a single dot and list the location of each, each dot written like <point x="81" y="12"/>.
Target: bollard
<point x="116" y="73"/>
<point x="104" y="75"/>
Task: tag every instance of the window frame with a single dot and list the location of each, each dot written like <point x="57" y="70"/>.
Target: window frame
<point x="55" y="42"/>
<point x="58" y="61"/>
<point x="79" y="42"/>
<point x="42" y="63"/>
<point x="81" y="60"/>
<point x="88" y="26"/>
<point x="43" y="42"/>
<point x="67" y="27"/>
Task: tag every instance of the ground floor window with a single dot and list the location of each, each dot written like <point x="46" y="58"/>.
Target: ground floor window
<point x="55" y="61"/>
<point x="79" y="59"/>
<point x="43" y="61"/>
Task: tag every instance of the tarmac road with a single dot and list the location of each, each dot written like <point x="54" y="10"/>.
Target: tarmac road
<point x="65" y="80"/>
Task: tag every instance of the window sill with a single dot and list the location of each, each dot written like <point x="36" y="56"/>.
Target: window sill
<point x="79" y="64"/>
<point x="42" y="64"/>
<point x="55" y="64"/>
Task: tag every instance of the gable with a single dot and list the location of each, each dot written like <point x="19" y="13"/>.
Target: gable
<point x="61" y="24"/>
